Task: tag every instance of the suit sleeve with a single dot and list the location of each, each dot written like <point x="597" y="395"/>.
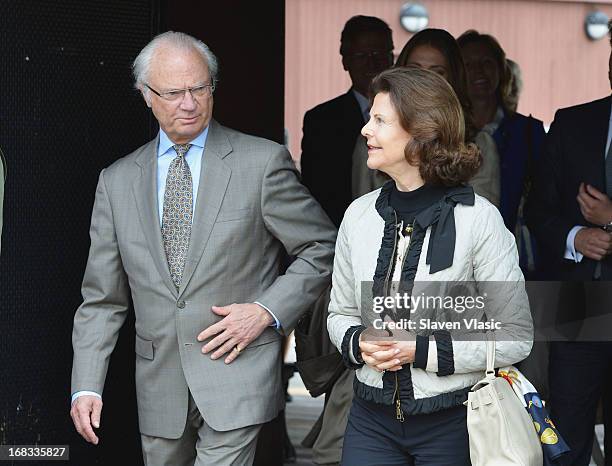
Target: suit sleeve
<point x="105" y="300"/>
<point x="544" y="213"/>
<point x="311" y="158"/>
<point x="298" y="222"/>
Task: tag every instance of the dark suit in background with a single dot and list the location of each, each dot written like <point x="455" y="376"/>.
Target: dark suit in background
<point x="330" y="131"/>
<point x="331" y="128"/>
<point x="574" y="153"/>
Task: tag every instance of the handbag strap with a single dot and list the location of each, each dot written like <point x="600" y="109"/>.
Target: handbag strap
<point x="490" y="373"/>
<point x="3" y="162"/>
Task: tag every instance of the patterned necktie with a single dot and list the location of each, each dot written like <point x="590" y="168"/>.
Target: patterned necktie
<point x="178" y="213"/>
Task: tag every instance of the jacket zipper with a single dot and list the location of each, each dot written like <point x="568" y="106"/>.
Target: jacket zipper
<point x="399" y="414"/>
<point x="386" y="286"/>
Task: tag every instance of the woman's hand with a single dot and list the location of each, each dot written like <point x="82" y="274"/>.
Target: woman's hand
<point x="379" y="354"/>
<point x="406" y="350"/>
<point x="387" y="355"/>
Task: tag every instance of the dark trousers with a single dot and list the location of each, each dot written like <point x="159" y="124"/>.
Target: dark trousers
<point x="579" y="376"/>
<point x="374" y="437"/>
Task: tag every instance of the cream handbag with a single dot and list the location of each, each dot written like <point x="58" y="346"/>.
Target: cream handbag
<point x="500" y="429"/>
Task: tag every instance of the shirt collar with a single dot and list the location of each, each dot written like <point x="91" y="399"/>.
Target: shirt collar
<point x="492" y="126"/>
<point x="364" y="103"/>
<point x="165" y="144"/>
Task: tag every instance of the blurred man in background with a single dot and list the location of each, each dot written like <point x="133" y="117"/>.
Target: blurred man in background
<point x="331" y="128"/>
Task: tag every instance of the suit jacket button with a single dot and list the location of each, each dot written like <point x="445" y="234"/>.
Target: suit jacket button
<point x="181" y="304"/>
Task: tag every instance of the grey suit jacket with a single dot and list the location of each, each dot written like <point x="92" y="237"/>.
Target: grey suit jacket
<point x="250" y="207"/>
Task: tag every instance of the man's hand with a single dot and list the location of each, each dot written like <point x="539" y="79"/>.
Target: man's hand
<point x="85" y="412"/>
<point x="595" y="206"/>
<point x="594" y="243"/>
<point x="242" y="324"/>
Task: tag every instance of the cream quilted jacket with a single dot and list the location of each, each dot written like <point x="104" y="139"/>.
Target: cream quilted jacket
<point x="447" y="363"/>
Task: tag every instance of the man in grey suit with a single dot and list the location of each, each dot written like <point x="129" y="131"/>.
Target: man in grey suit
<point x="189" y="225"/>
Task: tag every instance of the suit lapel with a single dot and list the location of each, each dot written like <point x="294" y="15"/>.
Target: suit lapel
<point x="214" y="179"/>
<point x="145" y="193"/>
<point x="596" y="136"/>
<point x="353" y="111"/>
<point x="601" y="122"/>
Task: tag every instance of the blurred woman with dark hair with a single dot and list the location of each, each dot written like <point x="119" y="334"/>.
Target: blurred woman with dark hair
<point x="438" y="51"/>
<point x="518" y="138"/>
<point x="423" y="226"/>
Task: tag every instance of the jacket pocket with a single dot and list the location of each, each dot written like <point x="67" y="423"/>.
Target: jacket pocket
<point x="234" y="214"/>
<point x="269" y="335"/>
<point x="144" y="348"/>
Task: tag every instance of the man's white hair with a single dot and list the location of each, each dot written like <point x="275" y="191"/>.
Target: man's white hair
<point x="142" y="64"/>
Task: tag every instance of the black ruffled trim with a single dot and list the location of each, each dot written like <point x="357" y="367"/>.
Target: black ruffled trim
<point x="446" y="358"/>
<point x="365" y="392"/>
<point x="410" y="406"/>
<point x="411" y="264"/>
<point x="345" y="347"/>
<point x="356" y="350"/>
<point x="382" y="202"/>
<point x="385" y="253"/>
<point x="422" y="350"/>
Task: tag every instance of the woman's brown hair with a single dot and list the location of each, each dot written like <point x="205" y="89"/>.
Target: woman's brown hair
<point x="431" y="113"/>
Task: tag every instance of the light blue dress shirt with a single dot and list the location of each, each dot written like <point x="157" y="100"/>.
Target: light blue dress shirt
<point x="570" y="247"/>
<point x="364" y="105"/>
<point x="166" y="154"/>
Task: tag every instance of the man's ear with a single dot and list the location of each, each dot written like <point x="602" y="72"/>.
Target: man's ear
<point x="145" y="95"/>
<point x="344" y="59"/>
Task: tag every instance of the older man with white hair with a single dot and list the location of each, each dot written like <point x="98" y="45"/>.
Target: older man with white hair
<point x="192" y="227"/>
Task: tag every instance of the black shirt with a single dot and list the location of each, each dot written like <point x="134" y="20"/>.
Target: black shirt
<point x="409" y="203"/>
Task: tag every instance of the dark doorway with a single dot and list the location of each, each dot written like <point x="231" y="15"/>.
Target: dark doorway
<point x="67" y="110"/>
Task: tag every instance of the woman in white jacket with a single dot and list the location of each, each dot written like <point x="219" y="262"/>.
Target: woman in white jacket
<point x="425" y="229"/>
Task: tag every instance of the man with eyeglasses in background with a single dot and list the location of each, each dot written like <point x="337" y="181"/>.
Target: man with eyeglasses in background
<point x="187" y="226"/>
<point x="331" y="128"/>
